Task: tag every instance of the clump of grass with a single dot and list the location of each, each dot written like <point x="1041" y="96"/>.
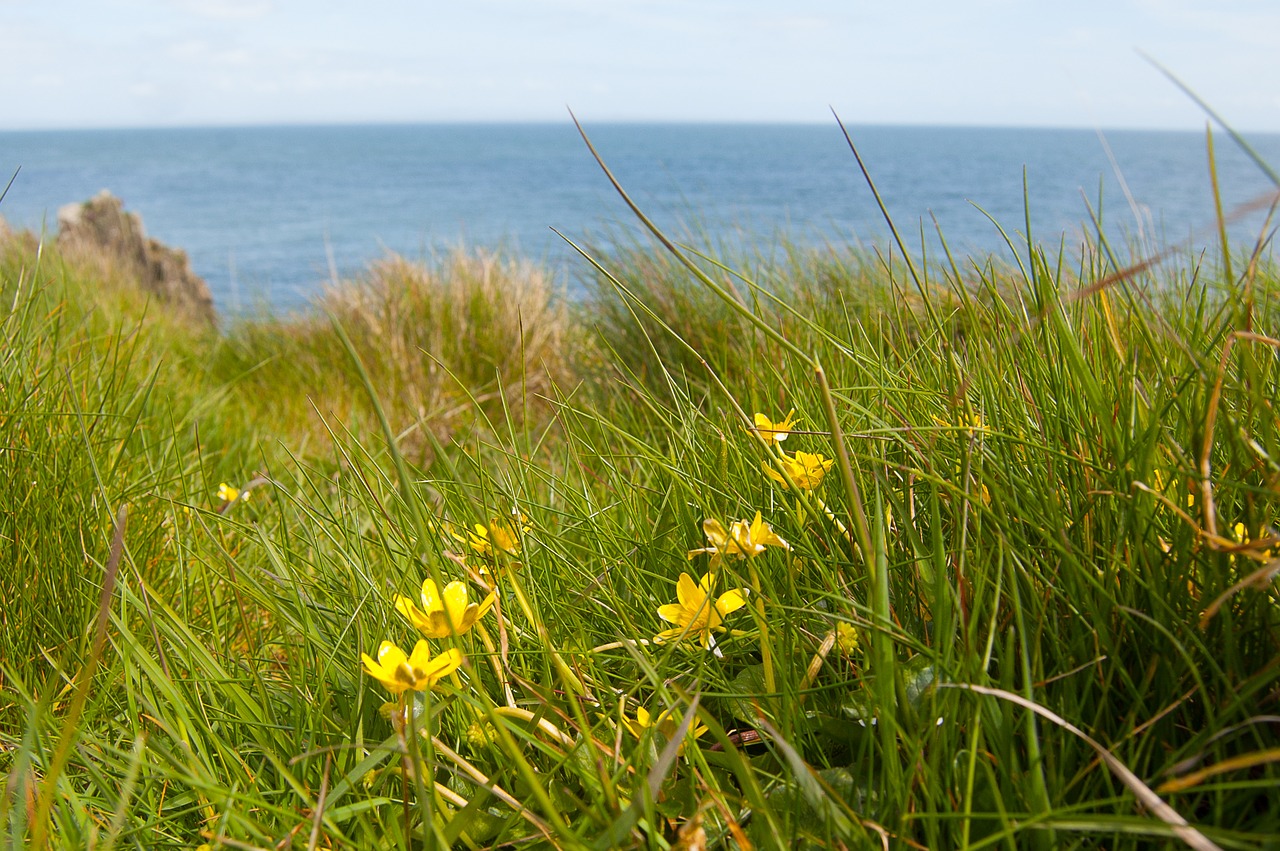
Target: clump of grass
<point x="664" y="330"/>
<point x="96" y="410"/>
<point x="448" y="343"/>
<point x="659" y="339"/>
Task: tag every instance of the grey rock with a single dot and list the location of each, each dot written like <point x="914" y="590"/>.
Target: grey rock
<point x="101" y="228"/>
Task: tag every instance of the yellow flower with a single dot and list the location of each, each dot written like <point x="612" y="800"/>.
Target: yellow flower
<point x="847" y="638"/>
<point x="445" y="614"/>
<point x="481" y="735"/>
<point x="227" y="493"/>
<point x="1242" y="535"/>
<point x="742" y="539"/>
<point x="752" y="538"/>
<point x="665" y="724"/>
<point x="774" y="432"/>
<point x="698" y="613"/>
<point x="983" y="491"/>
<point x="417" y="671"/>
<point x="1159" y="484"/>
<point x="499" y="536"/>
<point x="806" y="469"/>
<point x="971" y="423"/>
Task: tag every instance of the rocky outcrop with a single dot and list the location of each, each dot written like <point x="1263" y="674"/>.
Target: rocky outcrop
<point x="100" y="229"/>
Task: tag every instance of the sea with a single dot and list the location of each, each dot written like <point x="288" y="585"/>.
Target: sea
<point x="270" y="215"/>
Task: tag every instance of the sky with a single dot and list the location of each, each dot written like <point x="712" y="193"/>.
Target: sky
<point x="1058" y="63"/>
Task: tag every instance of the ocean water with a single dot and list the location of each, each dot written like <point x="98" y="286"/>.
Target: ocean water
<point x="262" y="211"/>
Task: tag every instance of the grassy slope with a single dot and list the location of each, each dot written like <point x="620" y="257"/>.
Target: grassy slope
<point x="1023" y="511"/>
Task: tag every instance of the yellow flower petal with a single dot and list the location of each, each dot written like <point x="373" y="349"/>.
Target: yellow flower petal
<point x="501" y="535"/>
<point x="431" y="596"/>
<point x="455" y="606"/>
<point x="672" y="613"/>
<point x="389" y="655"/>
<point x="762" y="534"/>
<point x="731" y="601"/>
<point x="806" y="469"/>
<point x="771" y="431"/>
<point x="715" y="533"/>
<point x="412" y="613"/>
<point x="389" y="668"/>
<point x="688" y="593"/>
<point x="429" y="670"/>
<point x="675" y="632"/>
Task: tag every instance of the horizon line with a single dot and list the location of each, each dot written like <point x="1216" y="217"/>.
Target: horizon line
<point x="631" y="122"/>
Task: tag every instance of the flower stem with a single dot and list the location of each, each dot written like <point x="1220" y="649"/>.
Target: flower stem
<point x="498" y="669"/>
<point x="406" y="718"/>
<point x="766" y="649"/>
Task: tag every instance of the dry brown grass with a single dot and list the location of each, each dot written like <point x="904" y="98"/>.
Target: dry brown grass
<point x="468" y="338"/>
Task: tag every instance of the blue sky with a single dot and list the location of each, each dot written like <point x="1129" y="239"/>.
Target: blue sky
<point x="75" y="63"/>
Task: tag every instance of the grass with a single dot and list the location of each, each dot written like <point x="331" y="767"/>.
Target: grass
<point x="1031" y="603"/>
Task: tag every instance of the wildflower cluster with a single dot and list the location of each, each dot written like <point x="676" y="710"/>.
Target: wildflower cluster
<point x="699" y="611"/>
<point x="446" y="613"/>
<point x="804" y="469"/>
<point x="449" y="611"/>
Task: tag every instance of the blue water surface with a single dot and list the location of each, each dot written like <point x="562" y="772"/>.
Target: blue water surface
<point x="261" y="210"/>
